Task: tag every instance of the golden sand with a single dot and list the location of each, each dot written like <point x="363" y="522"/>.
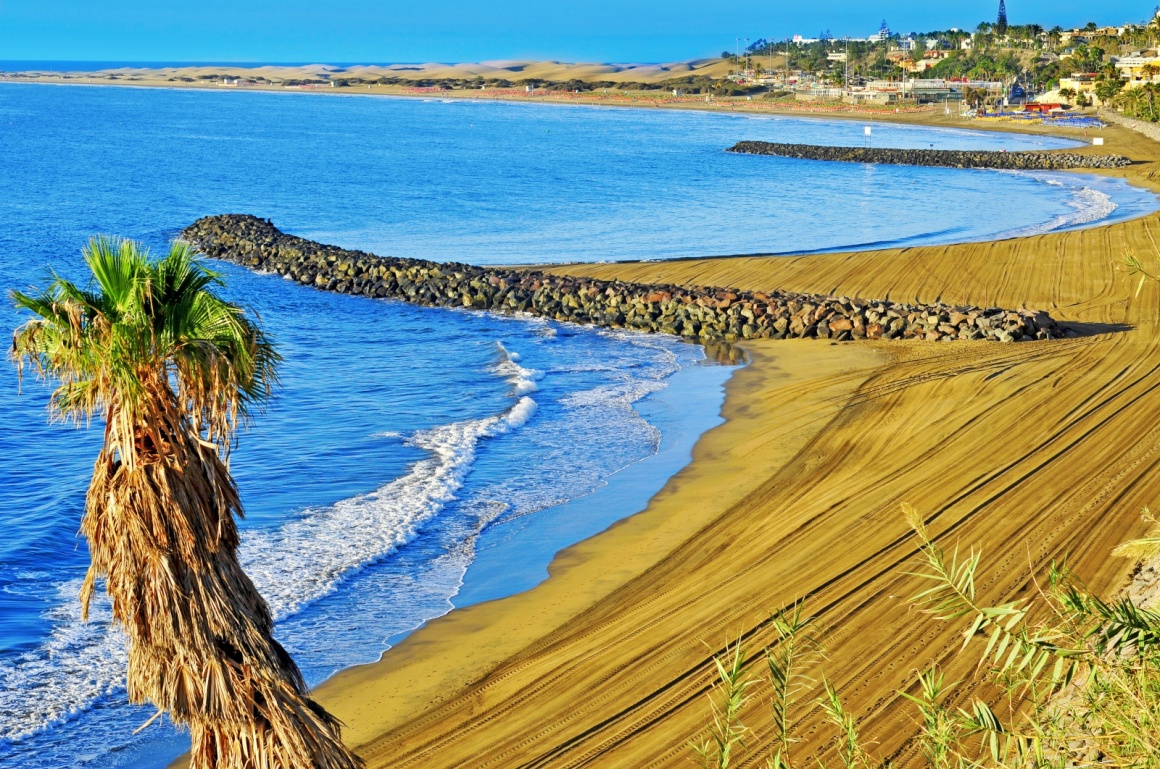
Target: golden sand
<point x="277" y="75"/>
<point x="504" y="70"/>
<point x="1031" y="452"/>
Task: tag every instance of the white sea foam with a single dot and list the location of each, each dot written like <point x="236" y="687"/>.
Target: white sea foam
<point x="292" y="565"/>
<point x="79" y="663"/>
<point x="305" y="559"/>
<point x="523" y="380"/>
<point x="1088" y="205"/>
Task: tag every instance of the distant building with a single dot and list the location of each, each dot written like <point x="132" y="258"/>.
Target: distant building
<point x="930" y="59"/>
<point x="1080" y="82"/>
<point x="883" y="33"/>
<point x="1132" y="67"/>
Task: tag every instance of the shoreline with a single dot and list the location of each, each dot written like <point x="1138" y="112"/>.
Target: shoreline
<point x="926" y="118"/>
<point x="499" y="627"/>
<point x="707" y="313"/>
<point x="606" y="660"/>
<point x="930" y="117"/>
<point x="545" y="669"/>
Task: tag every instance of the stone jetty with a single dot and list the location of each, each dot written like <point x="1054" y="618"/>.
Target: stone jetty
<point x="1046" y="160"/>
<point x="703" y="312"/>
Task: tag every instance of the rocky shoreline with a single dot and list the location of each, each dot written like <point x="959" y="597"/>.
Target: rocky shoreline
<point x="1047" y="160"/>
<point x="702" y="313"/>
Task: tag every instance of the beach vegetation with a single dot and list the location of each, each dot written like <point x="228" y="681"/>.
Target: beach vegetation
<point x="725" y="734"/>
<point x="149" y="348"/>
<point x="1076" y="677"/>
<point x="1140" y="102"/>
<point x="689" y="84"/>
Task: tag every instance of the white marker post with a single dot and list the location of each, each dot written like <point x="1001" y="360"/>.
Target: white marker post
<point x="1098" y="141"/>
<point x="869" y="139"/>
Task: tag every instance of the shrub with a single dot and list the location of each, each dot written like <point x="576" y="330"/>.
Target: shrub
<point x="1084" y="673"/>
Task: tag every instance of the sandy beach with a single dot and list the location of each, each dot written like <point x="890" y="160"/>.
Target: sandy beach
<point x="1032" y="452"/>
<point x="210" y="78"/>
<point x="275" y="77"/>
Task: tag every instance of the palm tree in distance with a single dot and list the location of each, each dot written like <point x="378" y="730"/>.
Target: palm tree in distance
<point x="174" y="371"/>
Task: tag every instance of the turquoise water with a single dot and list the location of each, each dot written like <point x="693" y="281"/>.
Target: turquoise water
<point x="416" y="459"/>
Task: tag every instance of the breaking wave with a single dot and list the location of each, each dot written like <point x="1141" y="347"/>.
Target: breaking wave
<point x="292" y="565"/>
<point x="1088" y="205"/>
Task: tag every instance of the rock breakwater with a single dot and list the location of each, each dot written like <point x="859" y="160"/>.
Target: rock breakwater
<point x="1047" y="160"/>
<point x="704" y="313"/>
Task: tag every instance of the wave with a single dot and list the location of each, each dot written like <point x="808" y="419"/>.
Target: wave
<point x="1088" y="205"/>
<point x="292" y="565"/>
<point x="523" y="380"/>
<point x="588" y="413"/>
<point x="80" y="663"/>
<point x="307" y="558"/>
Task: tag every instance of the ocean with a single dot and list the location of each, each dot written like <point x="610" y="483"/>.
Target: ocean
<point x="416" y="459"/>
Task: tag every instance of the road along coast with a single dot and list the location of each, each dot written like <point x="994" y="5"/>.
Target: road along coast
<point x="698" y="312"/>
<point x="1046" y="160"/>
<point x="1032" y="453"/>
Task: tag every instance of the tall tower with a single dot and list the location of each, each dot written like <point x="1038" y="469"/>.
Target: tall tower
<point x="1001" y="23"/>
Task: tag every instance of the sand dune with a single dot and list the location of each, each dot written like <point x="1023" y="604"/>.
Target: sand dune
<point x="508" y="70"/>
<point x="1031" y="452"/>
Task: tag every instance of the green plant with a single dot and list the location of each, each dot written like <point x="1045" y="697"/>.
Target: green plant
<point x="850" y="750"/>
<point x="797" y="648"/>
<point x="724" y="734"/>
<point x="1080" y="675"/>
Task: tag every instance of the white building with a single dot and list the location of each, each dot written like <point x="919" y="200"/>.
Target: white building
<point x="1131" y="67"/>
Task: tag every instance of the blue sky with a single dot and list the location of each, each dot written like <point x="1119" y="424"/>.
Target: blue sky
<point x="458" y="30"/>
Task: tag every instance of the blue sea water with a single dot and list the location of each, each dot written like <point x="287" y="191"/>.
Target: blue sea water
<point x="415" y="459"/>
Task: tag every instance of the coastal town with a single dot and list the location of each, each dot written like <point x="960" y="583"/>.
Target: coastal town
<point x="998" y="67"/>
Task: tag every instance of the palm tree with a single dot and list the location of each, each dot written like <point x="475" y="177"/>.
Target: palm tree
<point x="174" y="371"/>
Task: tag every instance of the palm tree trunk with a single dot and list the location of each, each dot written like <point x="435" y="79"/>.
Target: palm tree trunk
<point x="161" y="531"/>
